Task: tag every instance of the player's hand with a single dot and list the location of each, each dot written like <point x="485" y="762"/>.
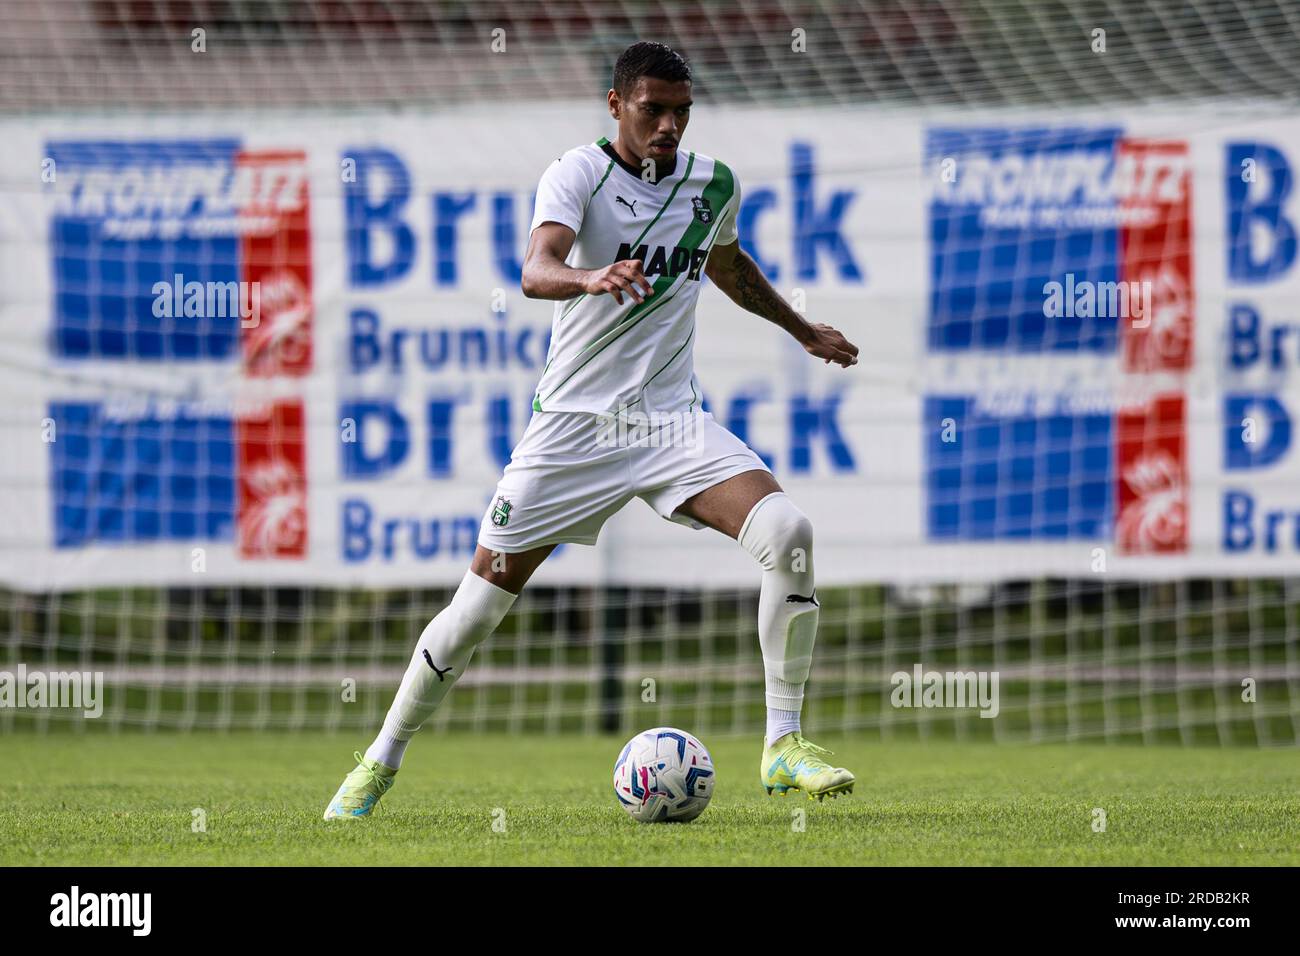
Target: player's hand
<point x="622" y="278"/>
<point x="827" y="343"/>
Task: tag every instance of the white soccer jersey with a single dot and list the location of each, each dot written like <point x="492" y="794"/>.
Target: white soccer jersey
<point x="605" y="356"/>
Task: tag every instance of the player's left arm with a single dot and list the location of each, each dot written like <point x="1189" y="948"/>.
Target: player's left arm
<point x="736" y="274"/>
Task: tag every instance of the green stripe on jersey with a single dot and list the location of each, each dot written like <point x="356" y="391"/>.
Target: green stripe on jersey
<point x="608" y="169"/>
<point x="718" y="193"/>
<point x="690" y="164"/>
<point x="647" y="382"/>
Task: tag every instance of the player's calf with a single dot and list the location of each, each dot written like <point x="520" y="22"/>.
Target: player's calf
<point x="441" y="656"/>
<point x="780" y="537"/>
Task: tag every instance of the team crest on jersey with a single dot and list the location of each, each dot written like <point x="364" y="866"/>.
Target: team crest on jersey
<point x="501" y="511"/>
<point x="703" y="211"/>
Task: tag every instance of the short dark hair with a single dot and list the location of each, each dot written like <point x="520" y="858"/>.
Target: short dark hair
<point x="649" y="59"/>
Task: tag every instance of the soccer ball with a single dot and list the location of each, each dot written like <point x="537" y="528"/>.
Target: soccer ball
<point x="663" y="775"/>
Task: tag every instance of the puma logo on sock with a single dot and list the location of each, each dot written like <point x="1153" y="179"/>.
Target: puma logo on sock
<point x="799" y="599"/>
<point x="429" y="661"/>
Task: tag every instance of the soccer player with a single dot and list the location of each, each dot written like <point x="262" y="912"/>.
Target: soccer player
<point x="622" y="235"/>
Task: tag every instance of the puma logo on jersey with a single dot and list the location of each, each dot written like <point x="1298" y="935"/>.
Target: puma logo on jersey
<point x="665" y="262"/>
<point x="630" y="205"/>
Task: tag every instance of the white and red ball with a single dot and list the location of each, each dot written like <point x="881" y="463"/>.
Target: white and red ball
<point x="663" y="775"/>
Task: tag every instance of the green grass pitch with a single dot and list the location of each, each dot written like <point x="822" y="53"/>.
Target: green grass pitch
<point x="128" y="799"/>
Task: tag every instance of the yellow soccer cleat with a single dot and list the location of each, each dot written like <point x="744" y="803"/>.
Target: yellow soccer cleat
<point x="792" y="763"/>
<point x="361" y="790"/>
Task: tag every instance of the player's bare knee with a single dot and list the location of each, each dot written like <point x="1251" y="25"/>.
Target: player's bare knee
<point x="499" y="568"/>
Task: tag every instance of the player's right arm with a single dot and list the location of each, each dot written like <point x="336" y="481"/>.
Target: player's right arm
<point x="547" y="276"/>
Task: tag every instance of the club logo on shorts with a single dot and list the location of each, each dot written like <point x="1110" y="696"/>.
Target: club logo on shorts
<point x="703" y="211"/>
<point x="501" y="511"/>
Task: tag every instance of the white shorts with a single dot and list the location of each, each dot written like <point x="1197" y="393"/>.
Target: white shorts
<point x="572" y="471"/>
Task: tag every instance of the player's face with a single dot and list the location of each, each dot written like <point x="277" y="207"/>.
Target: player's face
<point x="653" y="117"/>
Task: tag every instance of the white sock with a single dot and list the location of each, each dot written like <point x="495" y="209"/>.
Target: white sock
<point x="780" y="536"/>
<point x="441" y="656"/>
<point x="387" y="750"/>
<point x="784" y="719"/>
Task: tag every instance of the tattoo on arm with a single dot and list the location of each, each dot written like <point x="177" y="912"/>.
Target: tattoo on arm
<point x="753" y="291"/>
<point x="750" y="290"/>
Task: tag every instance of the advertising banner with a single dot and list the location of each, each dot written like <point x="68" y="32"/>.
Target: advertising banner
<point x="294" y="350"/>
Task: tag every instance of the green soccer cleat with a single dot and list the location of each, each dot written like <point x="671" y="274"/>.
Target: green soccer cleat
<point x="361" y="789"/>
<point x="792" y="763"/>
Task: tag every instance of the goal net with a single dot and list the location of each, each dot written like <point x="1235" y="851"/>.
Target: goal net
<point x="264" y="356"/>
